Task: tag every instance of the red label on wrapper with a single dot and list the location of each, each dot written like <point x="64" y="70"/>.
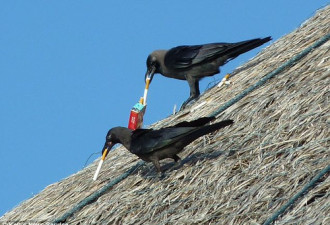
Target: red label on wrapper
<point x="136" y="117"/>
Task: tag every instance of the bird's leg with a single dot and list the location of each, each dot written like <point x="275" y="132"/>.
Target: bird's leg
<point x="177" y="160"/>
<point x="194" y="90"/>
<point x="156" y="164"/>
<point x="197" y="92"/>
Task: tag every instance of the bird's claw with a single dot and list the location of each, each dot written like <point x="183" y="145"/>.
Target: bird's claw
<point x="177" y="164"/>
<point x="161" y="175"/>
<point x="188" y="102"/>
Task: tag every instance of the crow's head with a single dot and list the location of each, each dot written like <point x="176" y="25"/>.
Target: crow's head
<point x="152" y="66"/>
<point x="110" y="141"/>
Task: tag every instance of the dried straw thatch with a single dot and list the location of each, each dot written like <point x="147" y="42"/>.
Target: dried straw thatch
<point x="239" y="175"/>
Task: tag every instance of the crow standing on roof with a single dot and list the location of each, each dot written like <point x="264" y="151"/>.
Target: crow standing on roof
<point x="194" y="62"/>
<point x="154" y="145"/>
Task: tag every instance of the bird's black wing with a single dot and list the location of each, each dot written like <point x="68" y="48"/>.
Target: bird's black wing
<point x="183" y="57"/>
<point x="140" y="132"/>
<point x="157" y="139"/>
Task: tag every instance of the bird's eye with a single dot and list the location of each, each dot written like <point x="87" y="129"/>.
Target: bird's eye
<point x="154" y="63"/>
<point x="151" y="61"/>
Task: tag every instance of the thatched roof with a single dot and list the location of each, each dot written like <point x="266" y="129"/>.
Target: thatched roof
<point x="239" y="175"/>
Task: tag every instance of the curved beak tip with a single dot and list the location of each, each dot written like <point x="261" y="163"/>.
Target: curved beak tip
<point x="107" y="147"/>
<point x="149" y="74"/>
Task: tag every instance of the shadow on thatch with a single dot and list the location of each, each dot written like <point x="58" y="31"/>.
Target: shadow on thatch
<point x="148" y="171"/>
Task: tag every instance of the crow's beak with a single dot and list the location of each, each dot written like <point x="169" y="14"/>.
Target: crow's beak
<point x="107" y="147"/>
<point x="150" y="73"/>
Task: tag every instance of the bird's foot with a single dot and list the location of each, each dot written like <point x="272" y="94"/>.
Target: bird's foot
<point x="156" y="176"/>
<point x="177" y="164"/>
<point x="188" y="103"/>
<point x="161" y="175"/>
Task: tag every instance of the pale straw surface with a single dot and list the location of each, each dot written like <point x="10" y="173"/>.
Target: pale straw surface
<point x="239" y="175"/>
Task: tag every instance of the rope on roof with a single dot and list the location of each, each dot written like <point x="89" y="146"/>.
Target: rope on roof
<point x="301" y="193"/>
<point x="92" y="198"/>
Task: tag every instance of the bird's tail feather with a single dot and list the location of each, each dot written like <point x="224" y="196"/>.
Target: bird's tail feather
<point x="245" y="46"/>
<point x="205" y="130"/>
<point x="195" y="123"/>
<point x="216" y="126"/>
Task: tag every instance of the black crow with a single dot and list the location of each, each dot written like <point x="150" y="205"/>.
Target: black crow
<point x="154" y="145"/>
<point x="193" y="62"/>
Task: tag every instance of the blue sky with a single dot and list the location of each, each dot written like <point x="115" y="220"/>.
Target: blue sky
<point x="71" y="70"/>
